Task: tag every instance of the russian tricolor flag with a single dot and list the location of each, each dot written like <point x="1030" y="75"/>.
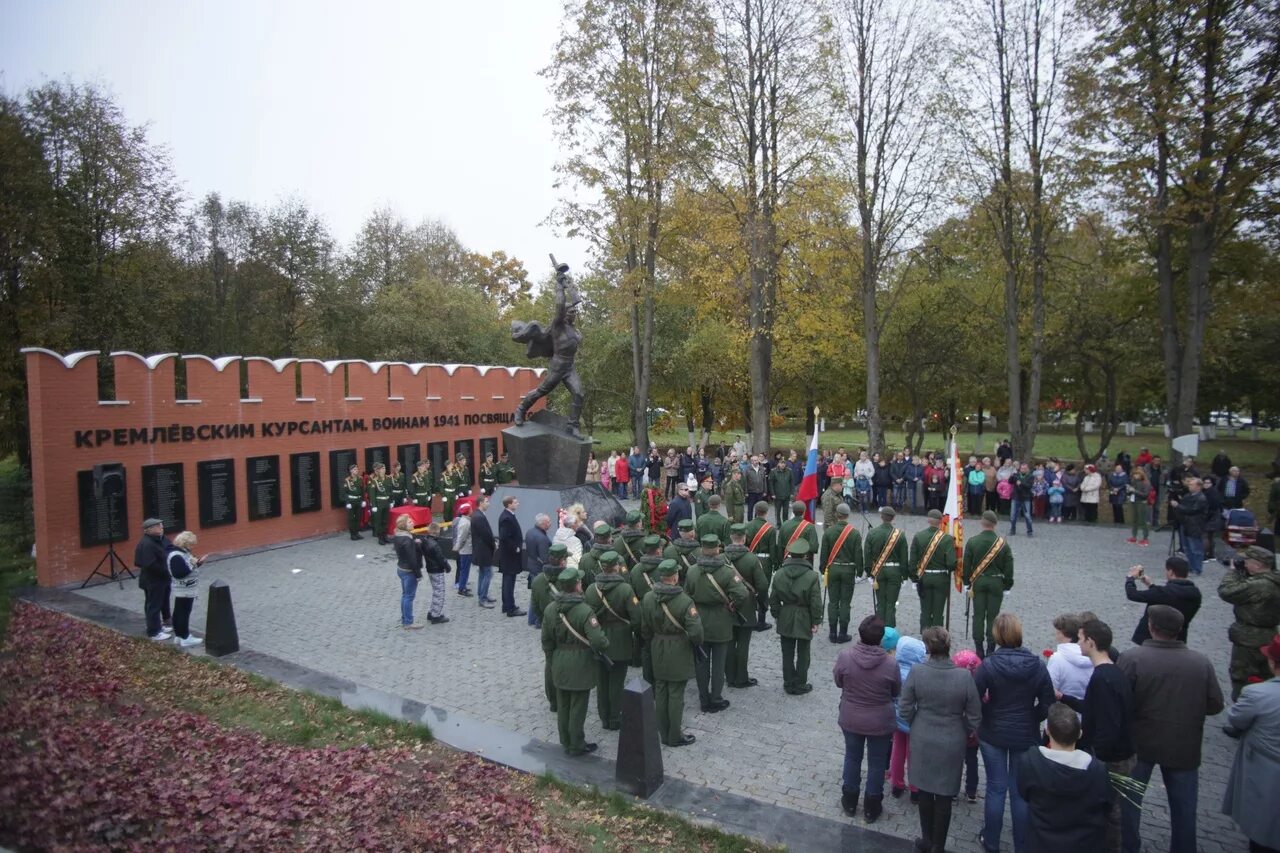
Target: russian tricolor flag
<point x="808" y="491"/>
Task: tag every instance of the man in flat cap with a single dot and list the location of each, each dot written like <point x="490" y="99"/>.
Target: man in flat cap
<point x="589" y="562"/>
<point x="684" y="548"/>
<point x="748" y="567"/>
<point x="796" y="604"/>
<point x="149" y="561"/>
<point x="1253" y="590"/>
<point x="713" y="522"/>
<point x="988" y="575"/>
<point x="842" y="562"/>
<point x="885" y="558"/>
<point x="542" y="593"/>
<point x="572" y="636"/>
<point x="617" y="608"/>
<point x="933" y="560"/>
<point x="723" y="601"/>
<point x="671" y="627"/>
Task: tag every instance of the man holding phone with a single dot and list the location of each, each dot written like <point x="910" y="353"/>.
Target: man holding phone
<point x="1179" y="593"/>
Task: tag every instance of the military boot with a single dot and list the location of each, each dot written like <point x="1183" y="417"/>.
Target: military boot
<point x="844" y="633"/>
<point x="833" y="637"/>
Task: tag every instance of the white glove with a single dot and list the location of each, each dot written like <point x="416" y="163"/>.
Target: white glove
<point x="348" y="506"/>
<point x="363" y="504"/>
<point x="915" y="585"/>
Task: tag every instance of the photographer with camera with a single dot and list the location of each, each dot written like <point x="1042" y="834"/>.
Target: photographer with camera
<point x="1253" y="588"/>
<point x="1178" y="592"/>
<point x="1193" y="520"/>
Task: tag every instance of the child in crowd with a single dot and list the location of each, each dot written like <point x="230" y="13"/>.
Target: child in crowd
<point x="968" y="659"/>
<point x="1057" y="494"/>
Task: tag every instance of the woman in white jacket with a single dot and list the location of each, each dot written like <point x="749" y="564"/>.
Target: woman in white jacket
<point x="1069" y="668"/>
<point x="1090" y="493"/>
<point x="567" y="536"/>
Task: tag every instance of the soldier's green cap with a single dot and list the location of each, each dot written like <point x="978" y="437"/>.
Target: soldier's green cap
<point x="602" y="528"/>
<point x="888" y="512"/>
<point x="568" y="576"/>
<point x="762" y="506"/>
<point x="685" y="524"/>
<point x="738" y="529"/>
<point x="799" y="548"/>
<point x="653" y="540"/>
<point x="1257" y="552"/>
<point x="710" y="541"/>
<point x="559" y="549"/>
<point x="935" y="515"/>
<point x="610" y="558"/>
<point x="843" y="510"/>
<point x="668" y="569"/>
<point x="990" y="517"/>
<point x="633" y="517"/>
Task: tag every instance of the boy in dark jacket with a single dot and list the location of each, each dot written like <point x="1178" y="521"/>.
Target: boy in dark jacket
<point x="1066" y="789"/>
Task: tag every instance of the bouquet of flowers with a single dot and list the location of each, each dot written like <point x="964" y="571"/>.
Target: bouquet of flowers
<point x="653" y="506"/>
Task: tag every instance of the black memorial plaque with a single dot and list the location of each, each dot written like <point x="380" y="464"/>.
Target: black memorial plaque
<point x="466" y="448"/>
<point x="104" y="513"/>
<point x="163" y="497"/>
<point x="408" y="455"/>
<point x="438" y="454"/>
<point x="216" y="486"/>
<point x="488" y="447"/>
<point x="304" y="482"/>
<point x="263" y="476"/>
<point x="374" y="455"/>
<point x="339" y="462"/>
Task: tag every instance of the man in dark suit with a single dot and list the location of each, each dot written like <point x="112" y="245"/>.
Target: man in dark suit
<point x="679" y="509"/>
<point x="510" y="556"/>
<point x="482" y="547"/>
<point x="1179" y="593"/>
<point x="537" y="542"/>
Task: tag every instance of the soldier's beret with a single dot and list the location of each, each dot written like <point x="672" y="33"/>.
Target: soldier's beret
<point x="610" y="558"/>
<point x="799" y="548"/>
<point x="633" y="517"/>
<point x="888" y="512"/>
<point x="685" y="524"/>
<point x="762" y="506"/>
<point x="990" y="517"/>
<point x="738" y="529"/>
<point x="602" y="528"/>
<point x="1257" y="552"/>
<point x="843" y="509"/>
<point x="568" y="576"/>
<point x="668" y="568"/>
<point x="559" y="549"/>
<point x="710" y="541"/>
<point x="653" y="540"/>
<point x="935" y="515"/>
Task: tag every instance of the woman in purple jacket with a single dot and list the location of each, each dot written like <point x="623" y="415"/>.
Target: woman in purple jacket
<point x="868" y="679"/>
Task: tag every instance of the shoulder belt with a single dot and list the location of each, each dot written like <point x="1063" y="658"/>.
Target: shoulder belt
<point x="742" y="577"/>
<point x="928" y="552"/>
<point x="835" y="549"/>
<point x="685" y="561"/>
<point x="584" y="640"/>
<point x="764" y="528"/>
<point x="725" y="598"/>
<point x="605" y="601"/>
<point x="795" y="534"/>
<point x="986" y="561"/>
<point x="671" y="618"/>
<point x="884" y="555"/>
<point x="630" y="553"/>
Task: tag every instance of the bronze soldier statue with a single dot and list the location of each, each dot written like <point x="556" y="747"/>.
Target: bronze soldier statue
<point x="560" y="343"/>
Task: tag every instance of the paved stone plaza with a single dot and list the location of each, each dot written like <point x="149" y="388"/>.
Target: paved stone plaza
<point x="333" y="605"/>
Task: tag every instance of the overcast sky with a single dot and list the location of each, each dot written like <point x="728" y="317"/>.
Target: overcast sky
<point x="434" y="108"/>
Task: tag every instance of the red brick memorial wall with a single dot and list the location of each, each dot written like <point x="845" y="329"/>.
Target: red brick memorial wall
<point x="250" y="454"/>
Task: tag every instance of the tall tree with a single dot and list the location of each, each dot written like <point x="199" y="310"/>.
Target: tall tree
<point x="1189" y="135"/>
<point x="625" y="77"/>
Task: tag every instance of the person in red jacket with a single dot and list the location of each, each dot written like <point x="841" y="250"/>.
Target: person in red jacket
<point x="621" y="477"/>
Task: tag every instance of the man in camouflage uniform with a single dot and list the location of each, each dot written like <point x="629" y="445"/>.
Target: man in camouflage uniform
<point x="571" y="637"/>
<point x="794" y="529"/>
<point x="796" y="604"/>
<point x="1254" y="593"/>
<point x="734" y="494"/>
<point x="988" y="587"/>
<point x="762" y="539"/>
<point x="632" y="535"/>
<point x="506" y="473"/>
<point x="831" y="499"/>
<point x="723" y="601"/>
<point x="671" y="628"/>
<point x="748" y="567"/>
<point x="683" y="549"/>
<point x="885" y="559"/>
<point x="933" y="576"/>
<point x="589" y="562"/>
<point x="644" y="578"/>
<point x="379" y="487"/>
<point x="712" y="522"/>
<point x="841" y="563"/>
<point x="353" y="494"/>
<point x="543" y="592"/>
<point x="617" y="609"/>
<point x="421" y="487"/>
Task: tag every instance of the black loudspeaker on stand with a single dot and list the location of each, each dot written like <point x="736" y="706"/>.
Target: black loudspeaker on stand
<point x="108" y="485"/>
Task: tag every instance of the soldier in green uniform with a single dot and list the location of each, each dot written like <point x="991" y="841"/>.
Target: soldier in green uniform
<point x="756" y="581"/>
<point x="572" y="636"/>
<point x="794" y="529"/>
<point x="421" y="487"/>
<point x="618" y="610"/>
<point x="735" y="495"/>
<point x="379" y="488"/>
<point x="488" y="475"/>
<point x="831" y="499"/>
<point x="933" y="576"/>
<point x="462" y="476"/>
<point x="589" y="562"/>
<point x="644" y="578"/>
<point x="713" y="522"/>
<point x="506" y="473"/>
<point x="448" y="491"/>
<point x="841" y="562"/>
<point x="782" y="486"/>
<point x="353" y="494"/>
<point x="885" y="560"/>
<point x="397" y="483"/>
<point x="671" y="628"/>
<point x="629" y="542"/>
<point x="762" y="539"/>
<point x="796" y="604"/>
<point x="543" y="592"/>
<point x="1254" y="593"/>
<point x="684" y="550"/>
<point x="987" y="580"/>
<point x="723" y="601"/>
<point x="702" y="497"/>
